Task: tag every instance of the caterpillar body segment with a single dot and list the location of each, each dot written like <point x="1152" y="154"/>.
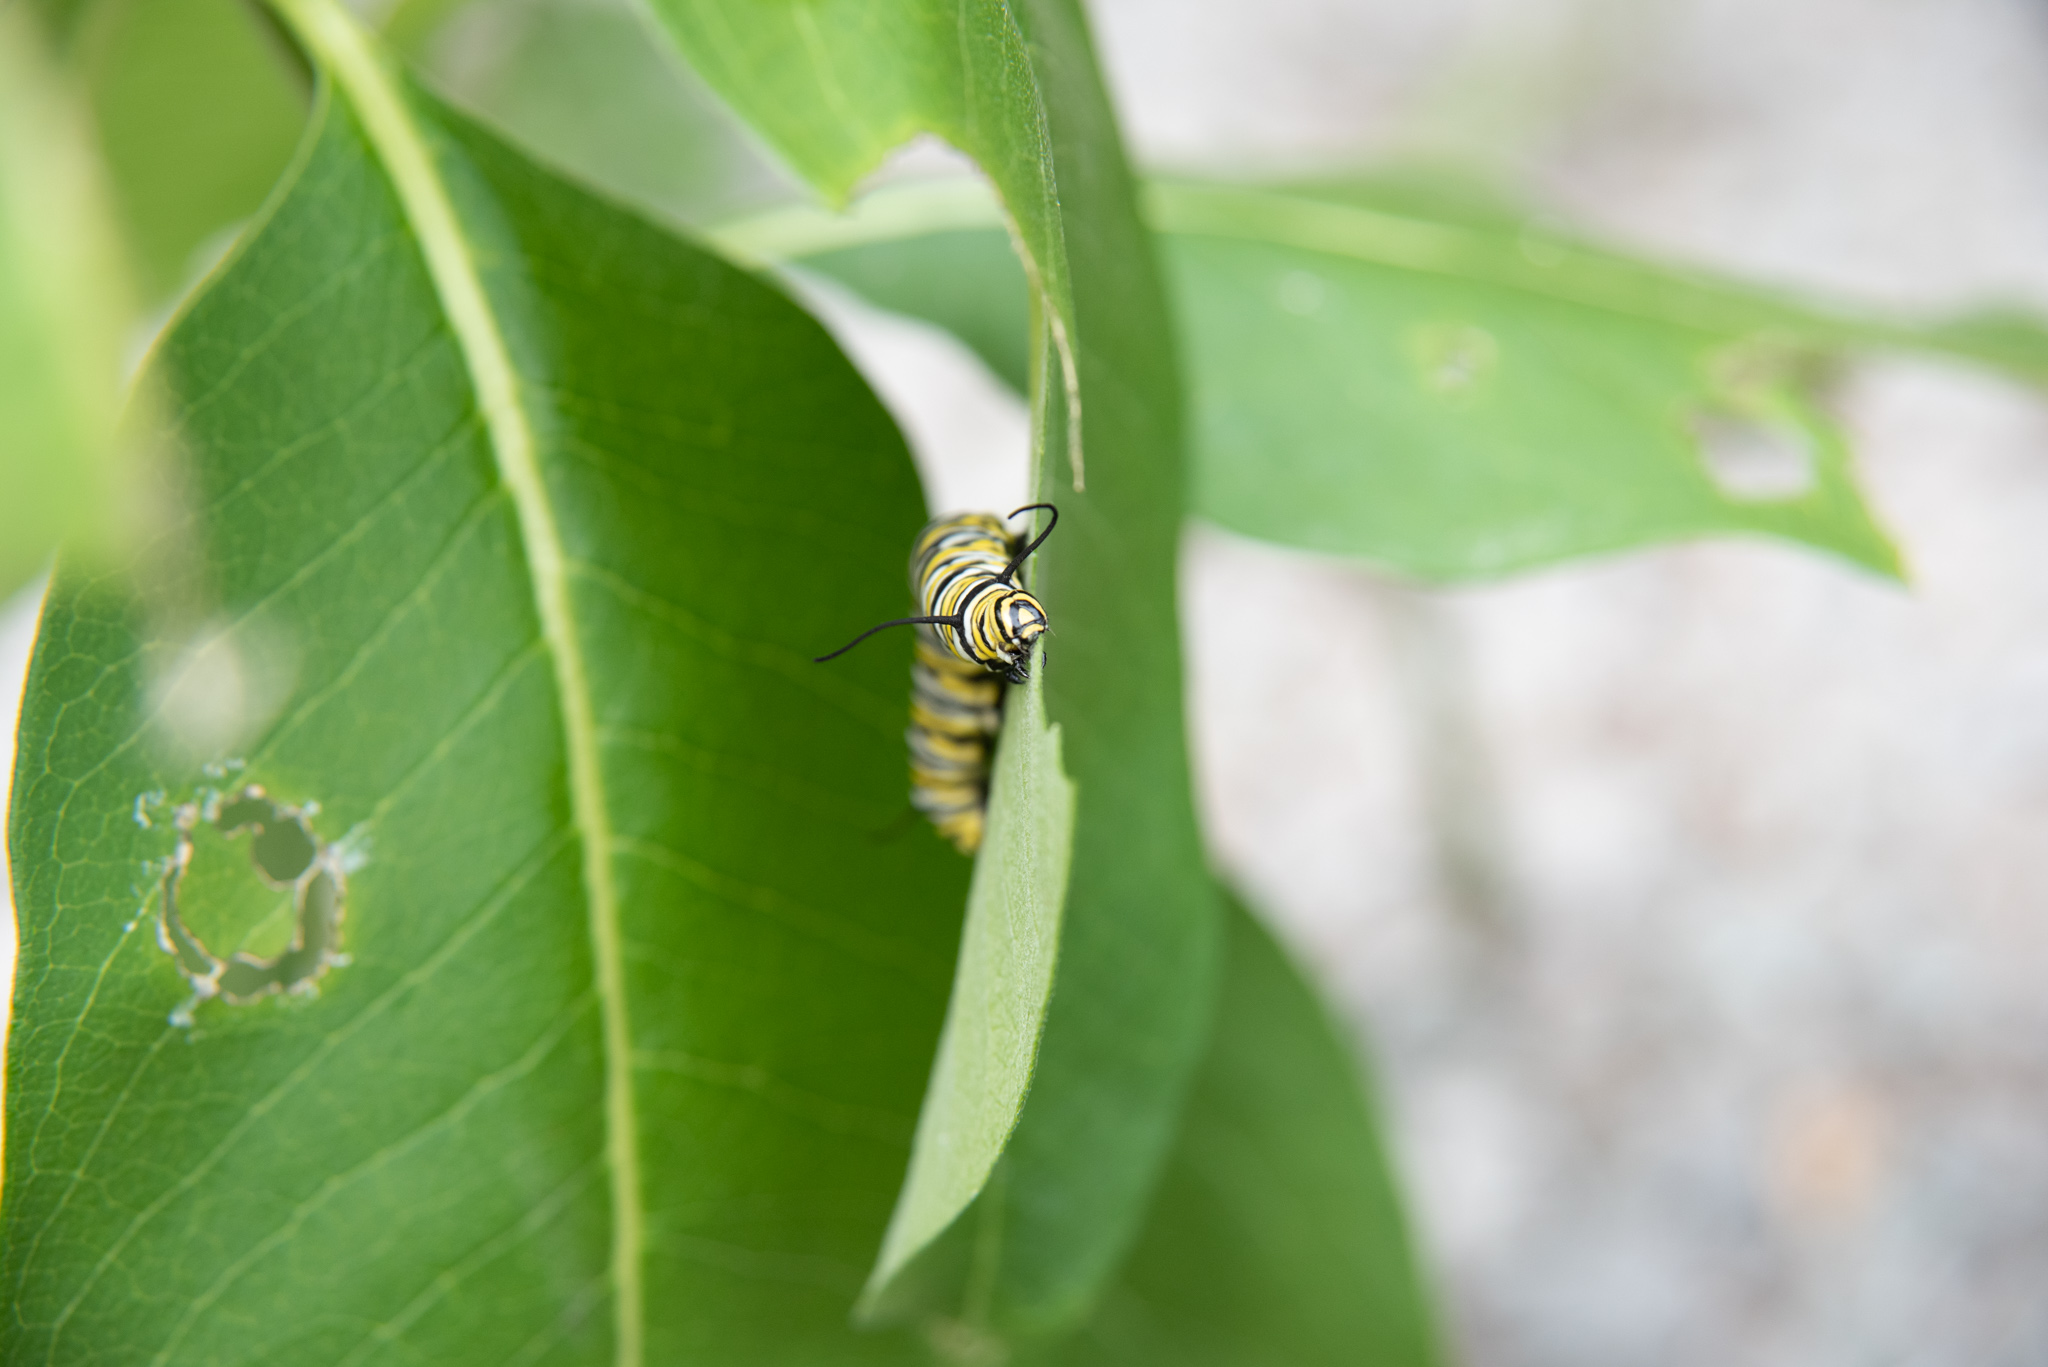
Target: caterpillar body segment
<point x="955" y="710"/>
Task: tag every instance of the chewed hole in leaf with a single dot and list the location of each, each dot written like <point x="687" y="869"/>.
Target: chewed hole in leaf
<point x="252" y="898"/>
<point x="282" y="851"/>
<point x="1752" y="459"/>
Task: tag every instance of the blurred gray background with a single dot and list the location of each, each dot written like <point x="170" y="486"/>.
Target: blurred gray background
<point x="1688" y="903"/>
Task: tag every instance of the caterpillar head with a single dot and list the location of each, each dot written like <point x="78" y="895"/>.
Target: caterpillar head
<point x="1021" y="621"/>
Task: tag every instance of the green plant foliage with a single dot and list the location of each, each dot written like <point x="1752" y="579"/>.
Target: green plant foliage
<point x="1277" y="1235"/>
<point x="63" y="306"/>
<point x="1418" y="384"/>
<point x="833" y="86"/>
<point x="197" y="107"/>
<point x="591" y="86"/>
<point x="1455" y="403"/>
<point x="2007" y="339"/>
<point x="1007" y="956"/>
<point x="507" y="514"/>
<point x="557" y="970"/>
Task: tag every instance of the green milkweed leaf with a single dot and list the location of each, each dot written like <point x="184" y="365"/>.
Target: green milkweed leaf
<point x="499" y="576"/>
<point x="1456" y="403"/>
<point x="196" y="108"/>
<point x="1448" y="392"/>
<point x="834" y="86"/>
<point x="1277" y="1235"/>
<point x="1008" y="953"/>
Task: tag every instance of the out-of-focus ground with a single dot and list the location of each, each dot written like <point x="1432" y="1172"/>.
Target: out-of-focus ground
<point x="1693" y="904"/>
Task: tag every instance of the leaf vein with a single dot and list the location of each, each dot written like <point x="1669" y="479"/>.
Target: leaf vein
<point x="845" y="1119"/>
<point x="515" y="882"/>
<point x="529" y="1224"/>
<point x="778" y="659"/>
<point x="789" y="913"/>
<point x="330" y="32"/>
<point x="481" y="1090"/>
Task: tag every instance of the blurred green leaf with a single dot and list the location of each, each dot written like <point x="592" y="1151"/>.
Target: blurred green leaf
<point x="834" y="86"/>
<point x="410" y="26"/>
<point x="1277" y="1235"/>
<point x="1453" y="402"/>
<point x="593" y="86"/>
<point x="198" y="104"/>
<point x="2005" y="339"/>
<point x="1418" y="381"/>
<point x="64" y="306"/>
<point x="504" y="513"/>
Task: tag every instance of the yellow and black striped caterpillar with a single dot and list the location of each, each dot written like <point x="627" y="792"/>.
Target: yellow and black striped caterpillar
<point x="976" y="631"/>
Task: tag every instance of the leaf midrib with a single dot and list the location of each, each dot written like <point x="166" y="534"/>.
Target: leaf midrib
<point x="1584" y="275"/>
<point x="345" y="53"/>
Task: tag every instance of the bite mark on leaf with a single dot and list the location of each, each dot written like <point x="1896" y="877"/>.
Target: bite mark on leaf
<point x="253" y="898"/>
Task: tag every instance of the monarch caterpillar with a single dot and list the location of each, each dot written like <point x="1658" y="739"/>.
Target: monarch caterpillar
<point x="975" y="633"/>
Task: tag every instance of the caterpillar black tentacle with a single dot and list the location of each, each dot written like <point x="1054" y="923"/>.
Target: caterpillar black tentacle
<point x="884" y="626"/>
<point x="1016" y="561"/>
<point x="975" y="633"/>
